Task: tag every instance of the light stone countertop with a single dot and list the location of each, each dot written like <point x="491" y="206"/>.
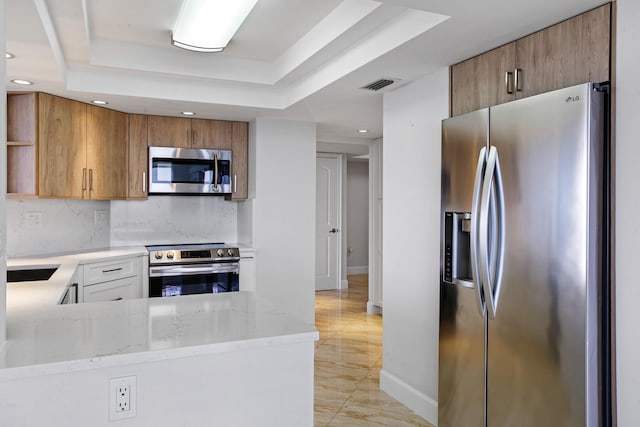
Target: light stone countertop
<point x="44" y="293"/>
<point x="64" y="338"/>
<point x="21" y="295"/>
<point x="45" y="338"/>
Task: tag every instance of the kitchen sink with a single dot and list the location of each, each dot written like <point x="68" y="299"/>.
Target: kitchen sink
<point x="30" y="273"/>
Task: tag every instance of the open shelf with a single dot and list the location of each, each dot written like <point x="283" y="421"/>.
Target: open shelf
<point x="21" y="144"/>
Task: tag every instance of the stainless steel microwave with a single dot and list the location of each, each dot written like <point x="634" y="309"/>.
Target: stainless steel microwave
<point x="189" y="171"/>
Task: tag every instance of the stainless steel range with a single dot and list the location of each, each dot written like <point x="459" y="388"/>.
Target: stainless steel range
<point x="193" y="269"/>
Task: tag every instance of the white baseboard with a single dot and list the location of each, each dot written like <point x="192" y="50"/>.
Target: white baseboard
<point x="413" y="399"/>
<point x="358" y="270"/>
<point x="373" y="308"/>
<point x="344" y="284"/>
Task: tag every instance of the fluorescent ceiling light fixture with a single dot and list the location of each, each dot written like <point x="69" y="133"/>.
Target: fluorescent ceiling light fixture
<point x="363" y="130"/>
<point x="22" y="82"/>
<point x="9" y="55"/>
<point x="208" y="25"/>
<point x="99" y="102"/>
<point x="188" y="113"/>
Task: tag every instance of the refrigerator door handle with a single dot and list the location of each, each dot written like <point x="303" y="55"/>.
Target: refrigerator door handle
<point x="492" y="258"/>
<point x="475" y="212"/>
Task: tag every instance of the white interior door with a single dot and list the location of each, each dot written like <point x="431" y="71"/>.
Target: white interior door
<point x="328" y="204"/>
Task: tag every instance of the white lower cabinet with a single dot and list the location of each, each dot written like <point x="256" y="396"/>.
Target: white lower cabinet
<point x="113" y="290"/>
<point x="247" y="272"/>
<point x="112" y="280"/>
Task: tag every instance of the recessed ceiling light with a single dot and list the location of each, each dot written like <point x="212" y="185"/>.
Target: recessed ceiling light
<point x="9" y="55"/>
<point x="363" y="130"/>
<point x="99" y="102"/>
<point x="21" y="82"/>
<point x="188" y="113"/>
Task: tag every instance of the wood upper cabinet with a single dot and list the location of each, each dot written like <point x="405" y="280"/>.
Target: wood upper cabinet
<point x="239" y="161"/>
<point x="572" y="52"/>
<point x="138" y="157"/>
<point x="169" y="132"/>
<point x="211" y="134"/>
<point x="107" y="143"/>
<point x="479" y="82"/>
<point x="62" y="147"/>
<point x="82" y="150"/>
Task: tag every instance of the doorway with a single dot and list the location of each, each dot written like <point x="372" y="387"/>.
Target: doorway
<point x="328" y="221"/>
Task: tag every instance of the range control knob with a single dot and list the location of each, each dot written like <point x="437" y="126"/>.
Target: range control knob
<point x="170" y="254"/>
<point x="158" y="255"/>
<point x="220" y="252"/>
<point x="230" y="252"/>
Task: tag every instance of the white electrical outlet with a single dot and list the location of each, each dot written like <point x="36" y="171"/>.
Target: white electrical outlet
<point x="32" y="219"/>
<point x="100" y="217"/>
<point x="122" y="398"/>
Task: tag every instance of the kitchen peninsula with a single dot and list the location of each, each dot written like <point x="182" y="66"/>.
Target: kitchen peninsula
<point x="229" y="359"/>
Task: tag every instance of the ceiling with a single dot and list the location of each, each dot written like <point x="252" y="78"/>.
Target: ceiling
<point x="290" y="59"/>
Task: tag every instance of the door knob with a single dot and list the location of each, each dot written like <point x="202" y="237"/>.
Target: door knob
<point x="333" y="230"/>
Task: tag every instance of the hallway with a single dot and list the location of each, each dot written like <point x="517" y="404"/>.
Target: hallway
<point x="348" y="361"/>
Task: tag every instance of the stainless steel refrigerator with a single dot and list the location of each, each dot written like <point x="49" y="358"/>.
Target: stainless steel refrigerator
<point x="523" y="297"/>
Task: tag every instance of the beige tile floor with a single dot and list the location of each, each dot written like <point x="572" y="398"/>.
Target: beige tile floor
<point x="348" y="361"/>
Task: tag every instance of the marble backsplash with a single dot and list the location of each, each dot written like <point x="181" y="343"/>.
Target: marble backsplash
<point x="173" y="219"/>
<point x="48" y="226"/>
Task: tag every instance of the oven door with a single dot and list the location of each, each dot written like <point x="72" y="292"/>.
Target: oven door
<point x="174" y="280"/>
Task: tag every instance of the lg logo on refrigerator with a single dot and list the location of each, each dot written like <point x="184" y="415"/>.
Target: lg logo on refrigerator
<point x="572" y="99"/>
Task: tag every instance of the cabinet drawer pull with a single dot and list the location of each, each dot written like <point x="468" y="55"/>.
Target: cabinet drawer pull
<point x="112" y="270"/>
<point x="517" y="79"/>
<point x="507" y="82"/>
<point x="117" y="299"/>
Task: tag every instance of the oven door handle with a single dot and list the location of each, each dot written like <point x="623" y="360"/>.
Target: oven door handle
<point x="194" y="269"/>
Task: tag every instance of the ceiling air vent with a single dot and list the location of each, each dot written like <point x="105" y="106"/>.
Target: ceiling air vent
<point x="379" y="84"/>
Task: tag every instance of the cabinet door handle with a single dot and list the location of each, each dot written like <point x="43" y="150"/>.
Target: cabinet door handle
<point x="235" y="183"/>
<point x="84" y="180"/>
<point x="507" y="82"/>
<point x="90" y="180"/>
<point x="215" y="172"/>
<point x="144" y="182"/>
<point x="193" y="138"/>
<point x="112" y="270"/>
<point x="117" y="299"/>
<point x="517" y="79"/>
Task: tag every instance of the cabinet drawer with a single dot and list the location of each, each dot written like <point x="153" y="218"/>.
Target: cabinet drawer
<point x="111" y="270"/>
<point x="114" y="290"/>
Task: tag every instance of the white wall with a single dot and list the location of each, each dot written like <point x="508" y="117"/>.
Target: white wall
<point x="374" y="305"/>
<point x="411" y="252"/>
<point x="627" y="236"/>
<point x="270" y="386"/>
<point x="357" y="208"/>
<point x="64" y="226"/>
<point x="3" y="187"/>
<point x="284" y="213"/>
<point x="173" y="219"/>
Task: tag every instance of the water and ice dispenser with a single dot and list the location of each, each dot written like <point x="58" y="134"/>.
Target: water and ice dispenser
<point x="457" y="248"/>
